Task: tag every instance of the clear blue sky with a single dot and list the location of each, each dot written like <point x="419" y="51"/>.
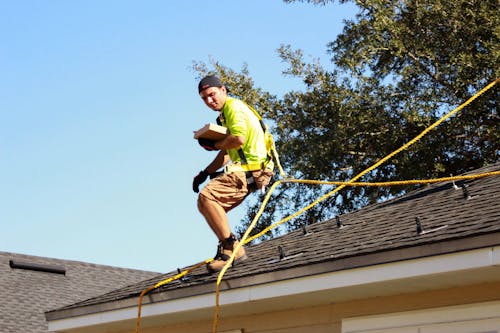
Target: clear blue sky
<point x="98" y="103"/>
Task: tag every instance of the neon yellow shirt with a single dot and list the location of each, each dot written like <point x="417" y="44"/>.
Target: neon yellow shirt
<point x="241" y="121"/>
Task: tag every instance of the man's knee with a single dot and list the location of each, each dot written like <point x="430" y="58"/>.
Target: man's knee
<point x="203" y="203"/>
<point x="200" y="202"/>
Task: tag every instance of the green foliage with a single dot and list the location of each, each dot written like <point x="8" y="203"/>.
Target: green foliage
<point x="398" y="66"/>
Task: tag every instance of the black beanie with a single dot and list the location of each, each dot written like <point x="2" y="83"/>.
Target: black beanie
<point x="209" y="81"/>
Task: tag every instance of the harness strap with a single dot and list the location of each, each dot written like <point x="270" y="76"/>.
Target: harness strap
<point x="268" y="164"/>
<point x="244" y="162"/>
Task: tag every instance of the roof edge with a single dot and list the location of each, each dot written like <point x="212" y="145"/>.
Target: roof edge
<point x="365" y="260"/>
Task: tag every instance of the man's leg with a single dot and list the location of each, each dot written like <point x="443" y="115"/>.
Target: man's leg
<point x="217" y="220"/>
<point x="222" y="194"/>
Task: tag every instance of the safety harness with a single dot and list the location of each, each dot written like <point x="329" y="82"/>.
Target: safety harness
<point x="249" y="167"/>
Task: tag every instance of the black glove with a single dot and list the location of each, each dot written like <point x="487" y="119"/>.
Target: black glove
<point x="199" y="179"/>
<point x="207" y="144"/>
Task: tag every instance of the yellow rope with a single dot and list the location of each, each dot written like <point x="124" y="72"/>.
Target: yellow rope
<point x="240" y="244"/>
<point x="341" y="185"/>
<point x="277" y="160"/>
<point x="161" y="283"/>
<point x="394" y="183"/>
<point x="305" y="181"/>
<point x="381" y="161"/>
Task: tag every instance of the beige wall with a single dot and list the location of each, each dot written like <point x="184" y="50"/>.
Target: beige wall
<point x="328" y="317"/>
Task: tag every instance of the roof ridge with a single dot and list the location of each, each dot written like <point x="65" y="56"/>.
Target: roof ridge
<point x="71" y="261"/>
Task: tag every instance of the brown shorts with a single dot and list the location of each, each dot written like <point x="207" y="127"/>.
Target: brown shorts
<point x="230" y="189"/>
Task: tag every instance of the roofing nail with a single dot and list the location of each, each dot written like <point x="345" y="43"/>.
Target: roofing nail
<point x="420" y="229"/>
<point x="281" y="251"/>
<point x="466" y="192"/>
<point x="339" y="222"/>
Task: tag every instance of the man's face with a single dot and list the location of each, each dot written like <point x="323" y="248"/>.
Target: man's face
<point x="214" y="97"/>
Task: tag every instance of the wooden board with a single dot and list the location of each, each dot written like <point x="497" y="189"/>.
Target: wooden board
<point x="211" y="131"/>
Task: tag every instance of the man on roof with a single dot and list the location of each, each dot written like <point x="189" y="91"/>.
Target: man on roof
<point x="246" y="162"/>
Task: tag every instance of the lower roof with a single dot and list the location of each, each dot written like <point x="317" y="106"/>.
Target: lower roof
<point x="32" y="285"/>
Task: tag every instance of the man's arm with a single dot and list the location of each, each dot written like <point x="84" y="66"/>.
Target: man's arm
<point x="230" y="142"/>
<point x="219" y="161"/>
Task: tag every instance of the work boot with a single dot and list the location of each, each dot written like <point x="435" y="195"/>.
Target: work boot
<point x="224" y="252"/>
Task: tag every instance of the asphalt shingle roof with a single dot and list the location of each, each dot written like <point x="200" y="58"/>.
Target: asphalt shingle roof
<point x="443" y="210"/>
<point x="27" y="294"/>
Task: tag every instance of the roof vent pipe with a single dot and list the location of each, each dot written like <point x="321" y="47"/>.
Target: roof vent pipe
<point x="37" y="267"/>
<point x="340" y="225"/>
